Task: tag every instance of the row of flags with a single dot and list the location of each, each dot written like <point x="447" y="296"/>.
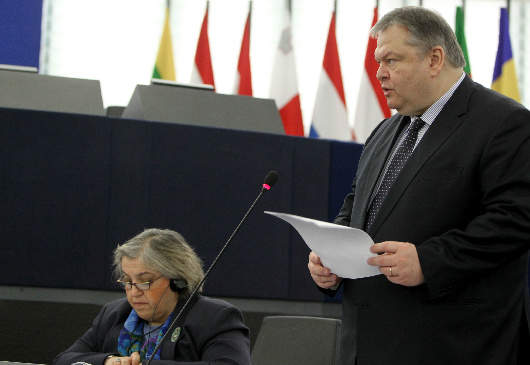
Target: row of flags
<point x="330" y="114"/>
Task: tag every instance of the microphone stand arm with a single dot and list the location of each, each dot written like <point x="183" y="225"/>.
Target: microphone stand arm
<point x="196" y="289"/>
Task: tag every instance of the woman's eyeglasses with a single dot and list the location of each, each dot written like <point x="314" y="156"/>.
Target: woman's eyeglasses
<point x="127" y="285"/>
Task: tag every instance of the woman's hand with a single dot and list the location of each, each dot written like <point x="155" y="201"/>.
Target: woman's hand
<point x="134" y="359"/>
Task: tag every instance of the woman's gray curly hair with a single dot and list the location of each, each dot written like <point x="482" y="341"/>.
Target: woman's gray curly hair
<point x="166" y="252"/>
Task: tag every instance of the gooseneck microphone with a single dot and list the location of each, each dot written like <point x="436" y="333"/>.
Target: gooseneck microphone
<point x="268" y="183"/>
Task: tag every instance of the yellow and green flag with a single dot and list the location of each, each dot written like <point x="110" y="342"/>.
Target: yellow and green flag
<point x="164" y="65"/>
<point x="461" y="37"/>
<point x="504" y="76"/>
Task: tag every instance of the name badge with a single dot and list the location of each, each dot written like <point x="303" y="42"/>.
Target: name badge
<point x="175" y="335"/>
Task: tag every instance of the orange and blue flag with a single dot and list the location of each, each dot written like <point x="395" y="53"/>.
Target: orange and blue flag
<point x="504" y="76"/>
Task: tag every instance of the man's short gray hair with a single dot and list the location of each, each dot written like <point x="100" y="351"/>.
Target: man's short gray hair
<point x="427" y="29"/>
<point x="164" y="251"/>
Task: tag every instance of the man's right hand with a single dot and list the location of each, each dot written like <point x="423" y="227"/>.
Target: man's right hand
<point x="321" y="275"/>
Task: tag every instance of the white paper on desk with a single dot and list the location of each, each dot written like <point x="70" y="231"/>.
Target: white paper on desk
<point x="344" y="250"/>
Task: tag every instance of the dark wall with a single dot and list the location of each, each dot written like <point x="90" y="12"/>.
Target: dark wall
<point x="73" y="187"/>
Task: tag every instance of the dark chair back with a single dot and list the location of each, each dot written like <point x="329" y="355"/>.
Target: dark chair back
<point x="296" y="340"/>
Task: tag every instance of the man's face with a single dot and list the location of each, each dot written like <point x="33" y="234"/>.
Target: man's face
<point x="403" y="72"/>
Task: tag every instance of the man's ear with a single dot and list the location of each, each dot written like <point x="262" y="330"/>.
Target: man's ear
<point x="436" y="60"/>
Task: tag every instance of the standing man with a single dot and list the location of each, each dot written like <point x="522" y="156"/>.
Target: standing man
<point x="443" y="187"/>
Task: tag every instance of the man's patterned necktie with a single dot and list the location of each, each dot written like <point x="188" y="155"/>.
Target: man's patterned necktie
<point x="398" y="161"/>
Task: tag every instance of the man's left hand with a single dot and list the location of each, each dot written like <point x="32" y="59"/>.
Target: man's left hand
<point x="398" y="262"/>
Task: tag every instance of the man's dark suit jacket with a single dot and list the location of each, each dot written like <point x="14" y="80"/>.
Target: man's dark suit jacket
<point x="212" y="333"/>
<point x="463" y="199"/>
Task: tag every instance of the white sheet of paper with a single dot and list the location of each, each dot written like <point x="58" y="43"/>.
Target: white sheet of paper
<point x="344" y="250"/>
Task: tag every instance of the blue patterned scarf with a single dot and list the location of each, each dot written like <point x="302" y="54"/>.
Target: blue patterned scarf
<point x="132" y="337"/>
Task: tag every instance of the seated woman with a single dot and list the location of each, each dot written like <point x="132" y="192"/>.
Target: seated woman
<point x="158" y="271"/>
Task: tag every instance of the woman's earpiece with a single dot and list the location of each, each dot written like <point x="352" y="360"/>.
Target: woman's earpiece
<point x="177" y="285"/>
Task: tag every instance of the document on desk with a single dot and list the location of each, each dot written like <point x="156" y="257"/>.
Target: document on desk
<point x="344" y="250"/>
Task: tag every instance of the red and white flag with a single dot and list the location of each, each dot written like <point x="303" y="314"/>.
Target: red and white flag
<point x="371" y="102"/>
<point x="202" y="72"/>
<point x="243" y="84"/>
<point x="330" y="116"/>
<point x="284" y="85"/>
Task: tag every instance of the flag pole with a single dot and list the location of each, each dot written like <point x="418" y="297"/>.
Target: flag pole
<point x="377" y="4"/>
<point x="168" y="5"/>
<point x="508" y="3"/>
<point x="464" y="7"/>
